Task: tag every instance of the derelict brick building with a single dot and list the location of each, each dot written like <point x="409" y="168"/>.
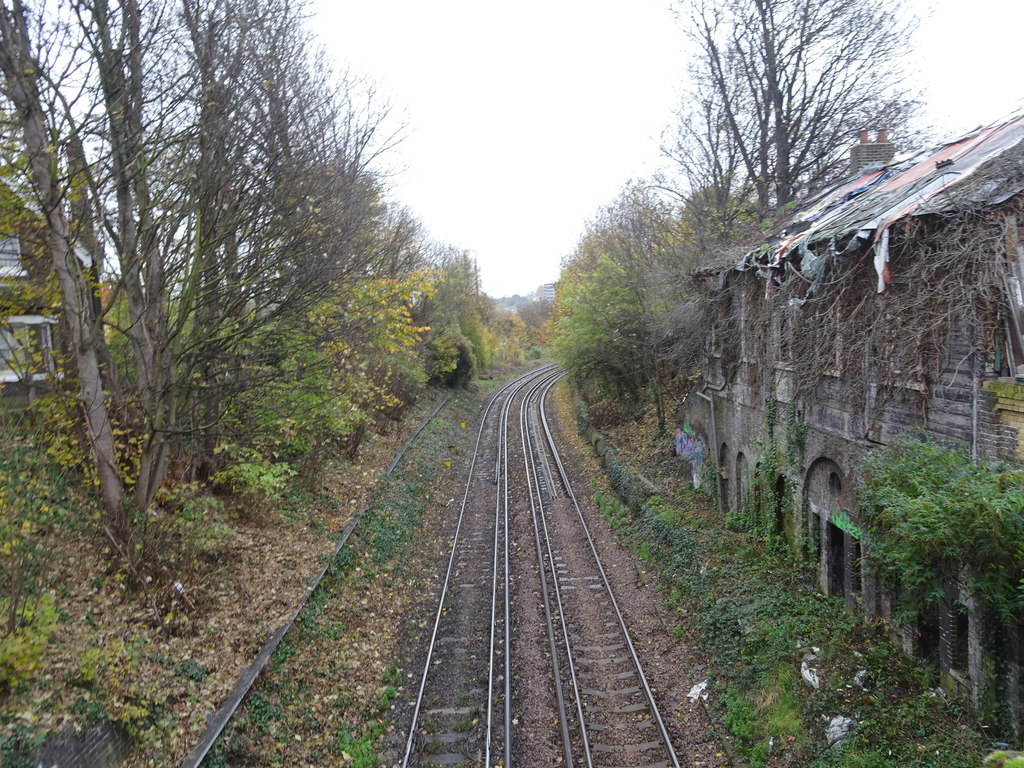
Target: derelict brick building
<point x="889" y="303"/>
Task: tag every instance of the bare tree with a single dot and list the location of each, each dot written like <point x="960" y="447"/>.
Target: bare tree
<point x="716" y="195"/>
<point x="285" y="205"/>
<point x="205" y="151"/>
<point x="787" y="83"/>
<point x="23" y="85"/>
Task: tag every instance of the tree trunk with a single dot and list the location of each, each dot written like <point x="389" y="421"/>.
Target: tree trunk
<point x="22" y="87"/>
<point x="119" y="52"/>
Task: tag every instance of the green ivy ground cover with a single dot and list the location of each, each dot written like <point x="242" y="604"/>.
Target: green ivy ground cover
<point x="760" y="618"/>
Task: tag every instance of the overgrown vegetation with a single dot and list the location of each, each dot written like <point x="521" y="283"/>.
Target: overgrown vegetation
<point x="237" y="297"/>
<point x="328" y="694"/>
<point x="937" y="317"/>
<point x="240" y="312"/>
<point x="758" y="615"/>
<point x="929" y="510"/>
<point x="35" y="497"/>
<point x="628" y="318"/>
<point x="141" y="659"/>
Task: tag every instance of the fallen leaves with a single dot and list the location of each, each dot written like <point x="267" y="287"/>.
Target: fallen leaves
<point x="164" y="685"/>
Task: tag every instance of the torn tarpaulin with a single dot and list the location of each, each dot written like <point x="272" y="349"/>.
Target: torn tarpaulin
<point x="848" y="220"/>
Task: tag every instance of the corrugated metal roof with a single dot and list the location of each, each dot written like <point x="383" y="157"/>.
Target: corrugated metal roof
<point x="982" y="168"/>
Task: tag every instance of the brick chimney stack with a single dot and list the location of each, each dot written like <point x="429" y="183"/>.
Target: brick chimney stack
<point x="870" y="155"/>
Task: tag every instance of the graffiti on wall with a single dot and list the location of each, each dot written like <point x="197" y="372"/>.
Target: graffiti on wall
<point x="690" y="446"/>
<point x="843" y="522"/>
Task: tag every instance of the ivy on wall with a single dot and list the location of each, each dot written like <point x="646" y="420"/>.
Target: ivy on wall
<point x="756" y="515"/>
<point x="781" y="456"/>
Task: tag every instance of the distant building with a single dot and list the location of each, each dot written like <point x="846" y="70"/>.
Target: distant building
<point x="26" y="303"/>
<point x="547" y="292"/>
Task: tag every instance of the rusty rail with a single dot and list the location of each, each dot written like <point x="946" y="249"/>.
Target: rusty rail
<point x="216" y="723"/>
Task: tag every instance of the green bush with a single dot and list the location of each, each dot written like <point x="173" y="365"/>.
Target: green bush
<point x="617" y="515"/>
<point x="1003" y="759"/>
<point x="771" y="712"/>
<point x="740" y="717"/>
<point x="21" y="649"/>
<point x="755" y="609"/>
<point x="252" y="474"/>
<point x="358" y="748"/>
<point x="928" y="508"/>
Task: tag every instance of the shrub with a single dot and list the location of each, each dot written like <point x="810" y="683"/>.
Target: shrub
<point x="21" y="648"/>
<point x="253" y="474"/>
<point x="927" y="509"/>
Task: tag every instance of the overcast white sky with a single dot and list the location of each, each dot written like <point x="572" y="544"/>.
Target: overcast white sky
<point x="524" y="118"/>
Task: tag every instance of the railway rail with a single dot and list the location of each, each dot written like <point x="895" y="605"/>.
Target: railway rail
<point x="217" y="721"/>
<point x="465" y="712"/>
<point x="454" y="719"/>
<point x="527" y="644"/>
<point x="616" y="714"/>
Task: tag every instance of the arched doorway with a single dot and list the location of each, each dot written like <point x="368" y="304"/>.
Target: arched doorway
<point x="723" y="473"/>
<point x="742" y="480"/>
<point x="837" y="552"/>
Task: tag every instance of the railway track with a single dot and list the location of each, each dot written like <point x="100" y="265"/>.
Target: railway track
<point x="617" y="718"/>
<point x="529" y="661"/>
<point x="217" y="721"/>
<point x="464" y="686"/>
<point x="524" y="565"/>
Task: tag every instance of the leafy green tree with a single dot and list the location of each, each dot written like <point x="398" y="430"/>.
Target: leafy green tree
<point x="352" y="364"/>
<point x="457" y="314"/>
<point x="616" y="329"/>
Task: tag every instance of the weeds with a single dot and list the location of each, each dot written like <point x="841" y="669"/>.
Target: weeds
<point x="34" y="497"/>
<point x="758" y="618"/>
<point x="335" y="667"/>
<point x="615" y="512"/>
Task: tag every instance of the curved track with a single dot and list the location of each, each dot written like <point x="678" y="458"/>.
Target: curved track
<point x="616" y="716"/>
<point x="462" y="690"/>
<point x="523" y="566"/>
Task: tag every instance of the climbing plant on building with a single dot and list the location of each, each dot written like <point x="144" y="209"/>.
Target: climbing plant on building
<point x="929" y="511"/>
